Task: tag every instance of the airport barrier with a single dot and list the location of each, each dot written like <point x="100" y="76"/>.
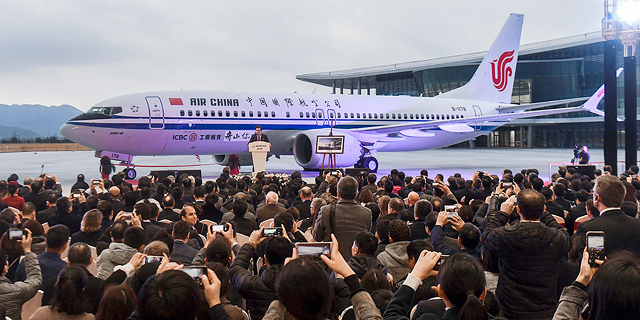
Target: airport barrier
<point x="35" y="147"/>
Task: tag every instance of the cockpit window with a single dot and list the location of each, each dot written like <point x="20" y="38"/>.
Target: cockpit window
<point x="105" y="110"/>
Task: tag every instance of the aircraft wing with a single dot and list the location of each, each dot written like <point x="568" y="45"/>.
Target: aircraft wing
<point x="536" y="105"/>
<point x="464" y="124"/>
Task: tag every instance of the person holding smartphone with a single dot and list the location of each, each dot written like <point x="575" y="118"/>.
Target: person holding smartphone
<point x="14" y="295"/>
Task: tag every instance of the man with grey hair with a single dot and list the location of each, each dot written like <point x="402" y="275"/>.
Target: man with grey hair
<point x="26" y="187"/>
<point x="344" y="219"/>
<point x="621" y="232"/>
<point x="228" y="216"/>
<point x="269" y="210"/>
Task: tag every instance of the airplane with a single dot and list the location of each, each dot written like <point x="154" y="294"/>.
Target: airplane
<point x="221" y="123"/>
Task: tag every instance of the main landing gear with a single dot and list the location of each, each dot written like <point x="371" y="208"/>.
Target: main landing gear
<point x="130" y="173"/>
<point x="370" y="163"/>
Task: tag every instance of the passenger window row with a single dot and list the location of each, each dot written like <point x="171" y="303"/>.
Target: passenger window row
<point x="320" y="115"/>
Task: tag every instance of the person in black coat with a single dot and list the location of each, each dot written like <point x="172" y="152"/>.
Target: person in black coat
<point x="258" y="136"/>
<point x="621" y="232"/>
<point x="259" y="291"/>
<point x="530" y="251"/>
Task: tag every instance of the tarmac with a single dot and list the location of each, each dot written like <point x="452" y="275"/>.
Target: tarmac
<point x="66" y="165"/>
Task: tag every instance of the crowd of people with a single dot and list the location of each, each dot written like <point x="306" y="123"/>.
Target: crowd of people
<point x="482" y="247"/>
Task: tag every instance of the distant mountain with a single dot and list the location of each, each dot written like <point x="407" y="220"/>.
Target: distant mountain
<point x="43" y="120"/>
<point x="8" y="132"/>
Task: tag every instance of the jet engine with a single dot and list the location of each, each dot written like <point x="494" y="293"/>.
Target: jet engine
<point x="304" y="150"/>
<point x="223" y="159"/>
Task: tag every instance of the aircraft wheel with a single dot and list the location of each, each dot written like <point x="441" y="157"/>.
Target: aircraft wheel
<point x="371" y="163"/>
<point x="130" y="173"/>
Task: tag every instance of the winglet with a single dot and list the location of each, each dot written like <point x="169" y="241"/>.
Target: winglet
<point x="592" y="104"/>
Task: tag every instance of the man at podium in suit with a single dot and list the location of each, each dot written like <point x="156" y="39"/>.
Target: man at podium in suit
<point x="258" y="136"/>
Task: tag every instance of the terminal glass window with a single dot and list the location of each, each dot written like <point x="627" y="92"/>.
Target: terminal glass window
<point x="182" y="113"/>
<point x="197" y="113"/>
<point x="190" y="113"/>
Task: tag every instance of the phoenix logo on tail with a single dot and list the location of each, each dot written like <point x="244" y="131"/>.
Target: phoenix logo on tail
<point x="500" y="72"/>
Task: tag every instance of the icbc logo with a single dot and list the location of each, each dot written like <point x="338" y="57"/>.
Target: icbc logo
<point x="193" y="137"/>
<point x="500" y="72"/>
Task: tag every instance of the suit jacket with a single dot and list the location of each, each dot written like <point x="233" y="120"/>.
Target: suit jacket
<point x="554" y="209"/>
<point x="305" y="209"/>
<point x="621" y="232"/>
<point x="564" y="203"/>
<point x="263" y="137"/>
<point x="182" y="253"/>
<point x="43" y="216"/>
<point x="151" y="229"/>
<point x="267" y="212"/>
<point x="168" y="214"/>
<point x="50" y="266"/>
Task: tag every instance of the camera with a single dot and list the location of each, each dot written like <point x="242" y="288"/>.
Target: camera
<point x="271" y="232"/>
<point x="150" y="259"/>
<point x="195" y="273"/>
<point x="313" y="250"/>
<point x="595" y="247"/>
<point x="443" y="258"/>
<point x="16" y="234"/>
<point x="219" y="228"/>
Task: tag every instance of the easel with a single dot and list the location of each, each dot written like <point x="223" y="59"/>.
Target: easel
<point x="332" y="157"/>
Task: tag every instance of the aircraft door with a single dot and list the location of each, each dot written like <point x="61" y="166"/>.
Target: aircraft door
<point x="331" y="117"/>
<point x="320" y="118"/>
<point x="156" y="113"/>
<point x="478" y="113"/>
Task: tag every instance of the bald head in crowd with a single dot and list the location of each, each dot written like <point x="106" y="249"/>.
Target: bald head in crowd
<point x="114" y="191"/>
<point x="412" y="198"/>
<point x="272" y="198"/>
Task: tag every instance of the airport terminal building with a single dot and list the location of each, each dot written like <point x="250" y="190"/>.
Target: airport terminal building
<point x="562" y="68"/>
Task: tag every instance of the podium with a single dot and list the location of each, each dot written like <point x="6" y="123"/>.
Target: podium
<point x="259" y="150"/>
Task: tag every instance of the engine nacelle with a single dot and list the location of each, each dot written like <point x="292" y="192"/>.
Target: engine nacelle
<point x="304" y="150"/>
<point x="223" y="159"/>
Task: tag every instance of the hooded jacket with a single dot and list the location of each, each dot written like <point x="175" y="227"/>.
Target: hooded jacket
<point x="361" y="263"/>
<point x="117" y="254"/>
<point x="258" y="291"/>
<point x="394" y="258"/>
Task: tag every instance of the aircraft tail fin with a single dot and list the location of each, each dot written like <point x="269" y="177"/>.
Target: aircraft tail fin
<point x="493" y="80"/>
<point x="592" y="104"/>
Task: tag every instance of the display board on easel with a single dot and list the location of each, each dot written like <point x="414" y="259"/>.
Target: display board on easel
<point x="329" y="145"/>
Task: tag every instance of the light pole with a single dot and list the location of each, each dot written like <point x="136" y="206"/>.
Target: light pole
<point x="620" y="27"/>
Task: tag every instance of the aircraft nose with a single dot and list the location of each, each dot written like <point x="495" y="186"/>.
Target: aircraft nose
<point x="67" y="130"/>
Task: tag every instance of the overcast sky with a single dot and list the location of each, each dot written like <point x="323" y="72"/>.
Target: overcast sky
<point x="82" y="52"/>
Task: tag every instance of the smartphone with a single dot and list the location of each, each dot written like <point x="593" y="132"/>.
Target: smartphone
<point x="272" y="232"/>
<point x="451" y="210"/>
<point x="440" y="262"/>
<point x="76" y="195"/>
<point x="219" y="228"/>
<point x="16" y="234"/>
<point x="595" y="247"/>
<point x="313" y="250"/>
<point x="150" y="259"/>
<point x="507" y="185"/>
<point x="195" y="273"/>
